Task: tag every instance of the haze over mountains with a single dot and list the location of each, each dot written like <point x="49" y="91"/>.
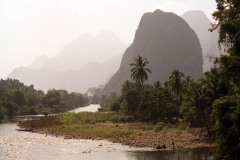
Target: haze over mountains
<point x="168" y="43"/>
<point x="83" y="50"/>
<point x="164" y="39"/>
<point x="199" y="22"/>
<point x="86" y="62"/>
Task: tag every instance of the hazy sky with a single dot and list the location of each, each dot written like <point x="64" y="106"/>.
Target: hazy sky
<point x="31" y="28"/>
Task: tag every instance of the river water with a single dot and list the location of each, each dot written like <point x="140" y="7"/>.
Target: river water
<point x="15" y="145"/>
<point x="91" y="108"/>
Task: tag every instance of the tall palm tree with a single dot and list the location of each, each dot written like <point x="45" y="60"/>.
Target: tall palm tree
<point x="176" y="81"/>
<point x="139" y="70"/>
<point x="197" y="105"/>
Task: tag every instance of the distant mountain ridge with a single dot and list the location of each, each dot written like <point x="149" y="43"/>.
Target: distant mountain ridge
<point x="168" y="43"/>
<point x="75" y="68"/>
<point x="84" y="49"/>
<point x="199" y="22"/>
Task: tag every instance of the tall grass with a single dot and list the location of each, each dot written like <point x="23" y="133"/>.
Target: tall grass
<point x="84" y="124"/>
<point x="92" y="118"/>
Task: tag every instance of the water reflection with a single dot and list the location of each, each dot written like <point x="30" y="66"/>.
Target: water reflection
<point x="197" y="154"/>
<point x="194" y="154"/>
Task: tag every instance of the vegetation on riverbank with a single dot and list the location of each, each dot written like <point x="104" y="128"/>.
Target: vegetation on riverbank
<point x="119" y="128"/>
<point x="19" y="99"/>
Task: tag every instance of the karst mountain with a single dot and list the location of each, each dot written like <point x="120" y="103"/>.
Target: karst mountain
<point x="200" y="23"/>
<point x="168" y="43"/>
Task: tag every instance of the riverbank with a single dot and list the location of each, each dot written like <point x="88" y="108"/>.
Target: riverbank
<point x="122" y="129"/>
<point x="26" y="145"/>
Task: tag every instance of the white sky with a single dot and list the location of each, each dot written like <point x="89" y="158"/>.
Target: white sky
<point x="31" y="28"/>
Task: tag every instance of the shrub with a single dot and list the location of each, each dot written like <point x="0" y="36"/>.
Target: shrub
<point x="115" y="106"/>
<point x="159" y="126"/>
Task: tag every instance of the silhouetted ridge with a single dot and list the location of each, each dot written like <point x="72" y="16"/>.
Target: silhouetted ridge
<point x="83" y="63"/>
<point x="168" y="43"/>
<point x="199" y="22"/>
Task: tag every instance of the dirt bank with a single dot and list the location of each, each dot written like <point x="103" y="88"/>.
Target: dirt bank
<point x="170" y="138"/>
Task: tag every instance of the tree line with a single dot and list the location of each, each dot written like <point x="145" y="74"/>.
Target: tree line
<point x="18" y="99"/>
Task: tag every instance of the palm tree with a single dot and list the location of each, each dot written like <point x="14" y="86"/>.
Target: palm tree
<point x="139" y="70"/>
<point x="197" y="105"/>
<point x="176" y="81"/>
<point x="188" y="81"/>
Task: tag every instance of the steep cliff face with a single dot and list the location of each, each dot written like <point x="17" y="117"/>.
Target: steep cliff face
<point x="168" y="43"/>
<point x="199" y="22"/>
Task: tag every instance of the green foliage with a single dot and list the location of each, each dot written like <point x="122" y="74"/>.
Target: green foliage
<point x="32" y="100"/>
<point x="227" y="107"/>
<point x="130" y="98"/>
<point x="52" y="98"/>
<point x="18" y="99"/>
<point x="101" y="109"/>
<point x="229" y="67"/>
<point x="146" y="126"/>
<point x="115" y="107"/>
<point x="157" y="105"/>
<point x="196" y="107"/>
<point x="42" y="122"/>
<point x="227" y="110"/>
<point x="84" y="124"/>
<point x="95" y="94"/>
<point x="199" y="97"/>
<point x="26" y="110"/>
<point x="73" y="100"/>
<point x="44" y="110"/>
<point x="3" y="113"/>
<point x="228" y="21"/>
<point x="160" y="126"/>
<point x="92" y="118"/>
<point x="152" y="104"/>
<point x="90" y="131"/>
<point x="139" y="70"/>
<point x="11" y="109"/>
<point x="61" y="101"/>
<point x="110" y="103"/>
<point x="175" y="83"/>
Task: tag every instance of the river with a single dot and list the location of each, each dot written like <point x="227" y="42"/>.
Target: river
<point x="15" y="145"/>
<point x="90" y="108"/>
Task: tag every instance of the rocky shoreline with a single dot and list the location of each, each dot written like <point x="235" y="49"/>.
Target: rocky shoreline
<point x="169" y="139"/>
